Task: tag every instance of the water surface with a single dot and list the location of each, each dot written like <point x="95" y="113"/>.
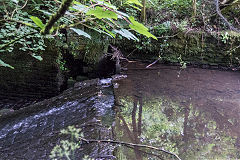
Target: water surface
<point x="193" y="113"/>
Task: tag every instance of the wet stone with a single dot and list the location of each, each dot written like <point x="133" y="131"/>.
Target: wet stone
<point x="33" y="132"/>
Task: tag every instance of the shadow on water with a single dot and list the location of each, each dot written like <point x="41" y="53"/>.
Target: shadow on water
<point x="194" y="113"/>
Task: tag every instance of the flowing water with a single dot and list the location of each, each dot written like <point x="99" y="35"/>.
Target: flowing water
<point x="35" y="130"/>
<point x="193" y="113"/>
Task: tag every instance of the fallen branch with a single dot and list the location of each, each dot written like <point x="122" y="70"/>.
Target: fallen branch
<point x="153" y="62"/>
<point x="129" y="144"/>
<point x="233" y="49"/>
<point x="144" y="152"/>
<point x="168" y="36"/>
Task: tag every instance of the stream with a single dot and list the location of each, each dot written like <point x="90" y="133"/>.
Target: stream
<point x="193" y="113"/>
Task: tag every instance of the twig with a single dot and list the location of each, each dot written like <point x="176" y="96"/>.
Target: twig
<point x="131" y="52"/>
<point x="168" y="36"/>
<point x="153" y="154"/>
<point x="15" y="10"/>
<point x="24" y="4"/>
<point x="5" y="10"/>
<point x="237" y="21"/>
<point x="20" y="22"/>
<point x="153" y="62"/>
<point x="233" y="49"/>
<point x="75" y="24"/>
<point x="129" y="144"/>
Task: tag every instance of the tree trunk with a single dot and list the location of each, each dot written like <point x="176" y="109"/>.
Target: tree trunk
<point x="143" y="12"/>
<point x="194" y="7"/>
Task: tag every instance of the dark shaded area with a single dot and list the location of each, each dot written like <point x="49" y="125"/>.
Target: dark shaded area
<point x="106" y="67"/>
<point x="31" y="80"/>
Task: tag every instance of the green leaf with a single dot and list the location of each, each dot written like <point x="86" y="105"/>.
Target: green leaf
<point x="102" y="2"/>
<point x="125" y="33"/>
<point x="79" y="7"/>
<point x="28" y="24"/>
<point x="135" y="7"/>
<point x="134" y="2"/>
<point x="112" y="34"/>
<point x="45" y="12"/>
<point x="37" y="57"/>
<point x="100" y="31"/>
<point x="140" y="28"/>
<point x="81" y="32"/>
<point x="15" y="1"/>
<point x="3" y="64"/>
<point x="122" y="14"/>
<point x="100" y="13"/>
<point x="37" y="21"/>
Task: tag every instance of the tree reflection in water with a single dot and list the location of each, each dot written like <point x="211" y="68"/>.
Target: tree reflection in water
<point x="204" y="127"/>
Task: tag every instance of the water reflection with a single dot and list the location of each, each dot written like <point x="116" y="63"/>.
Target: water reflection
<point x="194" y="114"/>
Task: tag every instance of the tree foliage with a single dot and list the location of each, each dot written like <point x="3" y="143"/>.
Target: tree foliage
<point x="26" y="23"/>
<point x="98" y="15"/>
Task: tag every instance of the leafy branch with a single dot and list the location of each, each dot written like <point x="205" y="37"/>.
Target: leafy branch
<point x="54" y="18"/>
<point x="21" y="22"/>
<point x="64" y="149"/>
<point x="17" y="39"/>
<point x="98" y="15"/>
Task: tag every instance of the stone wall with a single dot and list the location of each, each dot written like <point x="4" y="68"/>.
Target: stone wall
<point x="194" y="47"/>
<point x="31" y="79"/>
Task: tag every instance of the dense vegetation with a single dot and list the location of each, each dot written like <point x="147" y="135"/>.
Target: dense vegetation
<point x="29" y="23"/>
<point x="33" y="26"/>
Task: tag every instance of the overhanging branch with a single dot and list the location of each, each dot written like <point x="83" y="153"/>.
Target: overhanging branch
<point x="223" y="18"/>
<point x="54" y="18"/>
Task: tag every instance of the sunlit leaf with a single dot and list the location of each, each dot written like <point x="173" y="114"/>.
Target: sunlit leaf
<point x="15" y="1"/>
<point x="100" y="13"/>
<point x="37" y="57"/>
<point x="37" y="21"/>
<point x="28" y="24"/>
<point x="3" y="64"/>
<point x="135" y="7"/>
<point x="140" y="28"/>
<point x="101" y="31"/>
<point x="112" y="34"/>
<point x="81" y="32"/>
<point x="79" y="7"/>
<point x="125" y="33"/>
<point x="134" y="2"/>
<point x="102" y="2"/>
<point x="120" y="14"/>
<point x="45" y="12"/>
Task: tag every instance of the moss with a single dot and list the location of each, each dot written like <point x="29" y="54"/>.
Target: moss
<point x="194" y="47"/>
